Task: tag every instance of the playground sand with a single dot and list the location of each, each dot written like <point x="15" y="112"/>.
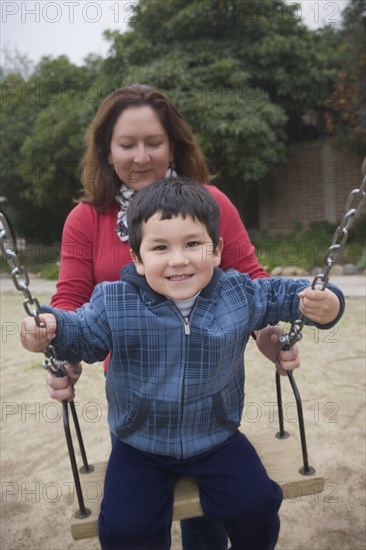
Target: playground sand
<point x="36" y="477"/>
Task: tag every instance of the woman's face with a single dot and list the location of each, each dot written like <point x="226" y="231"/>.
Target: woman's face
<point x="140" y="149"/>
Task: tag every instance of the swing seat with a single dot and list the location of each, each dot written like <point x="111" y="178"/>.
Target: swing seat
<point x="281" y="457"/>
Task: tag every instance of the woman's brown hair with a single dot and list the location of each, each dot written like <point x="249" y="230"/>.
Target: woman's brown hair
<point x="99" y="180"/>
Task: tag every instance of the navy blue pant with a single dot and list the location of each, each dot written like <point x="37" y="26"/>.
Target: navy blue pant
<point x="203" y="534"/>
<point x="136" y="511"/>
<point x="199" y="533"/>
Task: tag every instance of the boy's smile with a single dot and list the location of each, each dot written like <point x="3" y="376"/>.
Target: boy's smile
<point x="177" y="256"/>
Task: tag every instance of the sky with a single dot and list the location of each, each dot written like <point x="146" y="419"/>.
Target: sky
<point x="75" y="27"/>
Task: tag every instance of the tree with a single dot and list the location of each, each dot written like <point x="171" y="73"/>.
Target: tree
<point x="43" y="122"/>
<point x="242" y="72"/>
<point x="12" y="61"/>
<point x="345" y="107"/>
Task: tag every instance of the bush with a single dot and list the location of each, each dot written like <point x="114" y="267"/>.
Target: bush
<point x="50" y="271"/>
<point x="307" y="248"/>
<point x="358" y="231"/>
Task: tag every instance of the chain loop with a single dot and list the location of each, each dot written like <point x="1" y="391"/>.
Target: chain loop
<point x="333" y="252"/>
<point x="20" y="279"/>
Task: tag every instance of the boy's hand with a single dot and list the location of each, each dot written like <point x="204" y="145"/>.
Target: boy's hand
<point x="35" y="338"/>
<point x="321" y="306"/>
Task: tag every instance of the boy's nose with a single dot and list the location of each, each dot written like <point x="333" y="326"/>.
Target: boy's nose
<point x="178" y="257"/>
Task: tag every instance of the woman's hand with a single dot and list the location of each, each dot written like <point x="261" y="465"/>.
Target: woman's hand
<point x="268" y="342"/>
<point x="63" y="387"/>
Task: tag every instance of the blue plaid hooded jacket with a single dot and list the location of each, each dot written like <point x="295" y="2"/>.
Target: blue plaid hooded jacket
<point x="175" y="386"/>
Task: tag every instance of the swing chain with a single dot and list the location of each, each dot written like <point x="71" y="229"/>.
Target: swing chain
<point x="353" y="205"/>
<point x="20" y="279"/>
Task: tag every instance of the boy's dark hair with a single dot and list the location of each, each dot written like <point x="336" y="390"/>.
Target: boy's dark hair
<point x="172" y="197"/>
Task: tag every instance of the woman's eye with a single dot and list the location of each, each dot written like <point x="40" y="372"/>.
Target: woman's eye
<point x="130" y="145"/>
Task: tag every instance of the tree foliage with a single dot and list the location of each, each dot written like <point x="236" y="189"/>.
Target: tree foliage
<point x="345" y="107"/>
<point x="242" y="72"/>
<point x="42" y="125"/>
<point x="12" y="61"/>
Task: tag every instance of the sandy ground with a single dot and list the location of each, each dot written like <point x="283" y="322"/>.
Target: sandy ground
<point x="35" y="471"/>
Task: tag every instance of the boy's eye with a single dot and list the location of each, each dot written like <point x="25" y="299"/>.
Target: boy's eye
<point x="160" y="247"/>
<point x="192" y="244"/>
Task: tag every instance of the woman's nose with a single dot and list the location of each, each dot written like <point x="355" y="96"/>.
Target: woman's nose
<point x="141" y="155"/>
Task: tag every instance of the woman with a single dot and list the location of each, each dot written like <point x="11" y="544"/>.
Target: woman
<point x="136" y="137"/>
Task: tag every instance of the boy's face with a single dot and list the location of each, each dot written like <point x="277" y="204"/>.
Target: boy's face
<point x="177" y="256"/>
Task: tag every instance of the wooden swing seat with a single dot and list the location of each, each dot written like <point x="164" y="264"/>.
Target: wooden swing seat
<point x="281" y="457"/>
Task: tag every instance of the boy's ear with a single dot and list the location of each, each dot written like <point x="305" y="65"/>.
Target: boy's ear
<point x="138" y="264"/>
<point x="217" y="252"/>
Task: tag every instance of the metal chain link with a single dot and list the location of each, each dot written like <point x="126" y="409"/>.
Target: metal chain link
<point x="339" y="240"/>
<point x="20" y="279"/>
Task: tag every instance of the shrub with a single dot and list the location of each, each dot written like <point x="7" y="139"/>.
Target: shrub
<point x="307" y="248"/>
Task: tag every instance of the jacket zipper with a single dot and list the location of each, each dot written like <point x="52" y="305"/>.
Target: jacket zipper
<point x="187" y="332"/>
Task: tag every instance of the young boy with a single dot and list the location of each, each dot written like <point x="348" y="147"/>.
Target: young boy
<point x="177" y="327"/>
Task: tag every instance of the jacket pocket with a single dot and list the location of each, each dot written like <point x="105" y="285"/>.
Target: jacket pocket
<point x="132" y="418"/>
<point x="227" y="416"/>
